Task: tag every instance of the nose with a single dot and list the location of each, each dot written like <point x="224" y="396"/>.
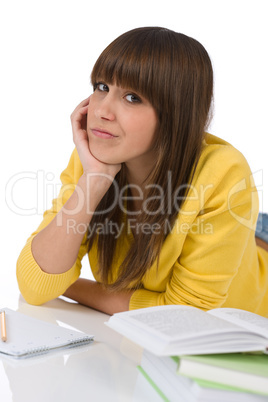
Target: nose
<point x="105" y="108"/>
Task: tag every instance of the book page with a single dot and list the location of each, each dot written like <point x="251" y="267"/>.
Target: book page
<point x="177" y="322"/>
<point x="245" y="319"/>
<point x="175" y="329"/>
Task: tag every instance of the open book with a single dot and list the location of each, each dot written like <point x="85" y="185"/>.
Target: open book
<point x="27" y="336"/>
<point x="180" y="330"/>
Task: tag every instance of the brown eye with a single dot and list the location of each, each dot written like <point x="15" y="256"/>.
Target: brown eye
<point x="131" y="98"/>
<point x="100" y="86"/>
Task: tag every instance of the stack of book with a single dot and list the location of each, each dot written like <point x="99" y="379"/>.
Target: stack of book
<point x="231" y="377"/>
<point x="192" y="355"/>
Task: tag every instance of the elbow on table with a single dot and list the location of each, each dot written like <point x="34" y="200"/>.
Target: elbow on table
<point x="36" y="286"/>
<point x="30" y="295"/>
<point x="34" y="301"/>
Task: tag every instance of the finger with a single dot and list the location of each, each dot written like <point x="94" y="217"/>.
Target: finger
<point x="83" y="109"/>
<point x="78" y="115"/>
<point x="85" y="102"/>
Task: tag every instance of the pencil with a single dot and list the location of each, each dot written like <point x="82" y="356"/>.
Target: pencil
<point x="3" y="327"/>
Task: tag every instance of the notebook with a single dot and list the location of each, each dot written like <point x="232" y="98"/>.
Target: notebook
<point x="27" y="336"/>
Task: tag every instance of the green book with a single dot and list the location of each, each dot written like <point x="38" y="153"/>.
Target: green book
<point x="248" y="372"/>
<point x="161" y="374"/>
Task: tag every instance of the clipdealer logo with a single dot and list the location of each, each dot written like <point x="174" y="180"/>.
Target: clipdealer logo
<point x="41" y="189"/>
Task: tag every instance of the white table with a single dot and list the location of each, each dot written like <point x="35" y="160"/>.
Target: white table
<point x="105" y="370"/>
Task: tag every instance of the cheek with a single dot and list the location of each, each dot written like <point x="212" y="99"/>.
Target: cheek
<point x="142" y="139"/>
<point x="89" y="114"/>
<point x="144" y="122"/>
<point x="151" y="121"/>
<point x="146" y="127"/>
<point x="91" y="107"/>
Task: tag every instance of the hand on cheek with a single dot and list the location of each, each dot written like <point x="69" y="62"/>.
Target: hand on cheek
<point x="81" y="140"/>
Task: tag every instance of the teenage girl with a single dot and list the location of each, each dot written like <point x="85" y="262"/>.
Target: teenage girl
<point x="165" y="211"/>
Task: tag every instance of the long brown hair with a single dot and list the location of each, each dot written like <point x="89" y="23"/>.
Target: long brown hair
<point x="174" y="72"/>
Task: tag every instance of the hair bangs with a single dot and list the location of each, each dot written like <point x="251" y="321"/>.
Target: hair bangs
<point x="129" y="64"/>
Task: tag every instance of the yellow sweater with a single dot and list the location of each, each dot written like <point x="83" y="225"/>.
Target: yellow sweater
<point x="209" y="260"/>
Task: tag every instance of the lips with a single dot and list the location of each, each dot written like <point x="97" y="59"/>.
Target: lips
<point x="98" y="132"/>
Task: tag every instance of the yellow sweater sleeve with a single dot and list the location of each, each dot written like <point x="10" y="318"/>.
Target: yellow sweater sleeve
<point x="36" y="286"/>
<point x="214" y="245"/>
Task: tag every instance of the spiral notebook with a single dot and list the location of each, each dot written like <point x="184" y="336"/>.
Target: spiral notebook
<point x="27" y="336"/>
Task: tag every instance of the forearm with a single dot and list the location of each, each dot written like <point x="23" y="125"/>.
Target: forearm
<point x="56" y="247"/>
<point x="94" y="295"/>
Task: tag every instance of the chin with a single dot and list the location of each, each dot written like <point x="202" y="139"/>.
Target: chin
<point x="104" y="158"/>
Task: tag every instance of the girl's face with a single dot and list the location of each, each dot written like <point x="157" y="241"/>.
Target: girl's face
<point x="121" y="126"/>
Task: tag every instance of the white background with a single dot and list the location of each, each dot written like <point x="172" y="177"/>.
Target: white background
<point x="47" y="52"/>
